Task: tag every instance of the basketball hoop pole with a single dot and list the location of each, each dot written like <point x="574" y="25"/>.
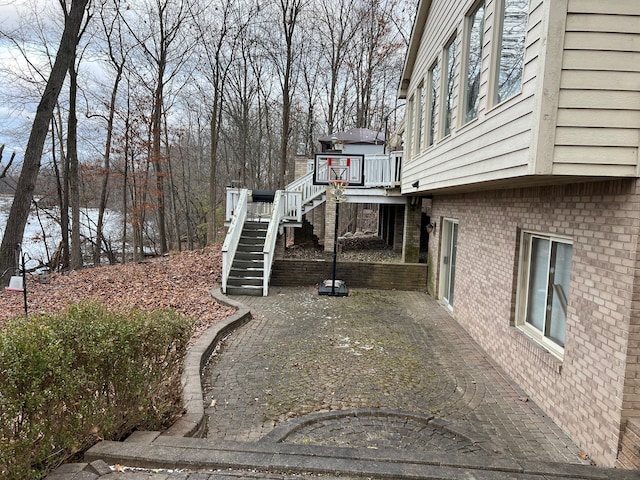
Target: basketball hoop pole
<point x="338" y="172"/>
<point x="338" y="287"/>
<point x="335" y="249"/>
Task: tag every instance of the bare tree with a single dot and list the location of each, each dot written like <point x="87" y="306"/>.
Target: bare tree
<point x="166" y="48"/>
<point x="290" y="11"/>
<point x="72" y="156"/>
<point x="74" y="14"/>
<point x="377" y="46"/>
<point x="116" y="51"/>
<point x="4" y="169"/>
<point x="218" y="33"/>
<point x="337" y="29"/>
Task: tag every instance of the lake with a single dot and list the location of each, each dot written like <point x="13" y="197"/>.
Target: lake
<point x="42" y="232"/>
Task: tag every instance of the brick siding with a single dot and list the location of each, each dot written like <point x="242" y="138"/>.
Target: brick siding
<point x="596" y="387"/>
<point x="383" y="276"/>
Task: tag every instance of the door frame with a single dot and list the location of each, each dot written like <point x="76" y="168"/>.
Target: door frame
<point x="449" y="248"/>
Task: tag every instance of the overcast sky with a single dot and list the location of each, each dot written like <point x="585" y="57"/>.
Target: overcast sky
<point x="14" y="119"/>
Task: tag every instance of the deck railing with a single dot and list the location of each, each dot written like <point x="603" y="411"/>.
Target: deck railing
<point x="382" y="170"/>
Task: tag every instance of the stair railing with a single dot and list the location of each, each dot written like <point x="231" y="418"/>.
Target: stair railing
<point x="233" y="195"/>
<point x="293" y="206"/>
<point x="232" y="239"/>
<point x="271" y="238"/>
<point x="305" y="185"/>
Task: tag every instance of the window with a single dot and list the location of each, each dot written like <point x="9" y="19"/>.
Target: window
<point x="433" y="79"/>
<point x="473" y="62"/>
<point x="449" y="80"/>
<point x="512" y="33"/>
<point x="545" y="274"/>
<point x="409" y="128"/>
<point x="420" y="119"/>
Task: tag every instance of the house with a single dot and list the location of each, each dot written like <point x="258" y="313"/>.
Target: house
<point x="523" y="129"/>
<point x="356" y="140"/>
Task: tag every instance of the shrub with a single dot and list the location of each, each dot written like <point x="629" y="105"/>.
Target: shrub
<point x="87" y="373"/>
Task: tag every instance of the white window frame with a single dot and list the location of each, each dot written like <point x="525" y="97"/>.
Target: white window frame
<point x="448" y="265"/>
<point x="433" y="85"/>
<point x="498" y="53"/>
<point x="522" y="299"/>
<point x="467" y="52"/>
<point x="420" y="95"/>
<point x="448" y="88"/>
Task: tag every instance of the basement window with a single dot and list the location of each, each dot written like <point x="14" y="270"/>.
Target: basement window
<point x="545" y="274"/>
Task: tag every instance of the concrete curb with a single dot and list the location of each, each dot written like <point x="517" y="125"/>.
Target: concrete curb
<point x="193" y="422"/>
<point x="191" y="453"/>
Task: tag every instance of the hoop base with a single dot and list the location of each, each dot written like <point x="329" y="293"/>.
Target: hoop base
<point x="339" y="290"/>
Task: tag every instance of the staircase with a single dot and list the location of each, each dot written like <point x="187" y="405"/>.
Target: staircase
<point x="248" y="249"/>
<point x="246" y="276"/>
<point x="312" y="203"/>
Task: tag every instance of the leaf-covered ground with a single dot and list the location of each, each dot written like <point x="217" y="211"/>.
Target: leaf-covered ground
<point x="181" y="282"/>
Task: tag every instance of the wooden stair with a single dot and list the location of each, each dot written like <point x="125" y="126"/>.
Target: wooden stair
<point x="247" y="271"/>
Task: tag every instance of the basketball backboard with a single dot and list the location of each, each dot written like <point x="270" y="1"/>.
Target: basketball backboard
<point x="330" y="167"/>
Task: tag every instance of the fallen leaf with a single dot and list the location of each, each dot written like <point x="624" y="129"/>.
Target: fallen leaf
<point x="148" y="285"/>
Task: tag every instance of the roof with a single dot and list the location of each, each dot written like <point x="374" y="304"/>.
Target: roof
<point x="354" y="136"/>
<point x="419" y="25"/>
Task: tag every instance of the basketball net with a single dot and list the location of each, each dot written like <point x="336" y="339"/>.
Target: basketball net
<point x="337" y="190"/>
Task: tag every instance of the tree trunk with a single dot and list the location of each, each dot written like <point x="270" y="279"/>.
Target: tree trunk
<point x="74" y="183"/>
<point x="61" y="260"/>
<point x="19" y="212"/>
<point x="213" y="154"/>
<point x="156" y="130"/>
<point x="106" y="167"/>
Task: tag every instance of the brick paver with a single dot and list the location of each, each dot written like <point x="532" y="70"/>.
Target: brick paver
<point x="389" y="374"/>
<point x="393" y="351"/>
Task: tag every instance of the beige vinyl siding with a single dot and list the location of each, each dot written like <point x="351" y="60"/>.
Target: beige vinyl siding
<point x="599" y="101"/>
<point x="439" y="29"/>
<point x="486" y="152"/>
<point x="494" y="146"/>
<point x="614" y="118"/>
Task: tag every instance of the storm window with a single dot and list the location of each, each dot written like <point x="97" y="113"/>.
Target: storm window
<point x="420" y="118"/>
<point x="449" y="69"/>
<point x="410" y="125"/>
<point x="433" y="80"/>
<point x="512" y="33"/>
<point x="473" y="62"/>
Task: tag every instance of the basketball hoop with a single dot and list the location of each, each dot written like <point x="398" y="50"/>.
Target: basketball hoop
<point x="337" y="171"/>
